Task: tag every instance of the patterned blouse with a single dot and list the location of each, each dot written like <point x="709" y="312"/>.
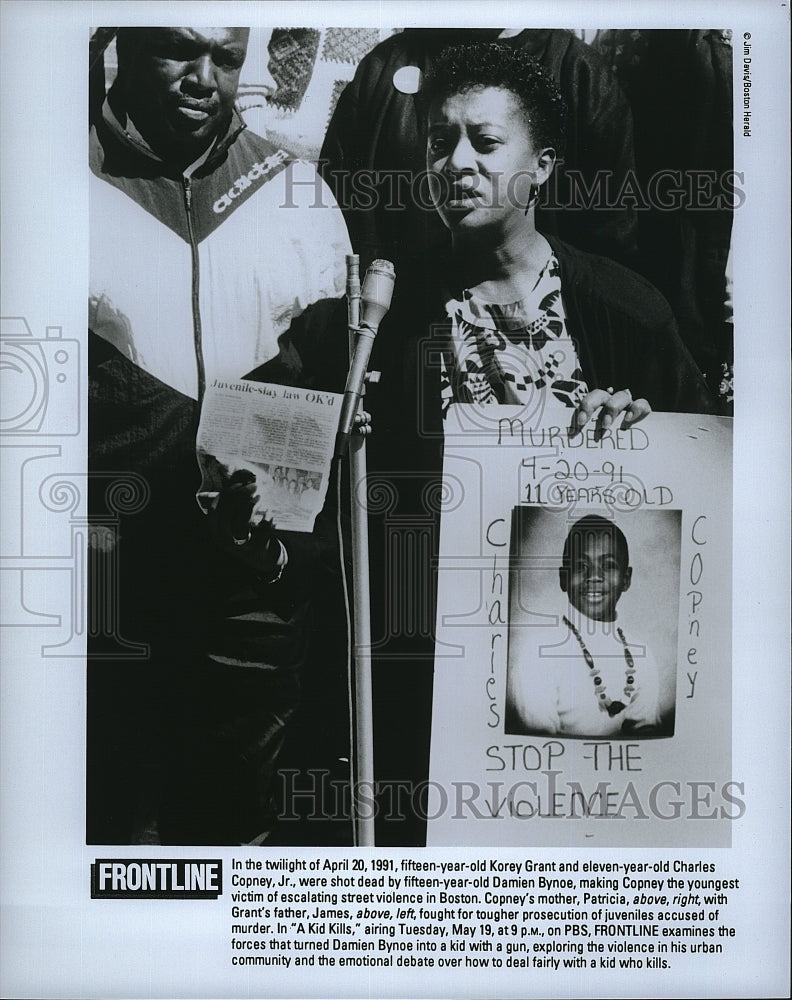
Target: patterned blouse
<point x="508" y="353"/>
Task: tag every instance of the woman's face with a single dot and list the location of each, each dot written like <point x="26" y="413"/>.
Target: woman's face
<point x="482" y="161"/>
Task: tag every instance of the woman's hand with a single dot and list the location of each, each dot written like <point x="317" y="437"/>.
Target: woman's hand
<point x="257" y="544"/>
<point x="610" y="404"/>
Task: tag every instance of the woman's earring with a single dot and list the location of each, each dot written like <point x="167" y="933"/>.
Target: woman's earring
<point x="533" y="198"/>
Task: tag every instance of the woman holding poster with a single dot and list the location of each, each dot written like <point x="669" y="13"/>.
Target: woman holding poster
<point x="509" y="316"/>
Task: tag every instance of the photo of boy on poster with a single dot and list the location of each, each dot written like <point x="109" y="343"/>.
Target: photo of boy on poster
<point x="588" y="670"/>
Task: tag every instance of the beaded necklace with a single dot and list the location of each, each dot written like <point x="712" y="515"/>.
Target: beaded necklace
<point x="604" y="701"/>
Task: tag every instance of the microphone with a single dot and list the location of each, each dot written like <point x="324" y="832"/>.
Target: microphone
<point x="375" y="300"/>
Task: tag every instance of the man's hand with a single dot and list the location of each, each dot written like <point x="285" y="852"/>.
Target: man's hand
<point x="256" y="545"/>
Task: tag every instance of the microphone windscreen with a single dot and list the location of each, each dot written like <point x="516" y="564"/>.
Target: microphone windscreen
<point x="376" y="293"/>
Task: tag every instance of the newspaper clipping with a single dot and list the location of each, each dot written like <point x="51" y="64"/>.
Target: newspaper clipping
<point x="283" y="437"/>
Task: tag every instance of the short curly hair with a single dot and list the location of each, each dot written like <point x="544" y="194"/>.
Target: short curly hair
<point x="593" y="524"/>
<point x="479" y="64"/>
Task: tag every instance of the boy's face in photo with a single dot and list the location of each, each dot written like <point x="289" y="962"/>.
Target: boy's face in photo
<point x="597" y="574"/>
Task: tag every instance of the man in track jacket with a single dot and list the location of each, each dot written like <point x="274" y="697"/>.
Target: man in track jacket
<point x="211" y="249"/>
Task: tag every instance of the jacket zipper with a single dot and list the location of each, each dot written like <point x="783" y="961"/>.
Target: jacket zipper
<point x="196" y="306"/>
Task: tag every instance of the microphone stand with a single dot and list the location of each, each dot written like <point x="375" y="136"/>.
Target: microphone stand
<point x="363" y="748"/>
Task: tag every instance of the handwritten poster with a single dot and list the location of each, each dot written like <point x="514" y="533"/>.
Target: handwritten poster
<point x="504" y="770"/>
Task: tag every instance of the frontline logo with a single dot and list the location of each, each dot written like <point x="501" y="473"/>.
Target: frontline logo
<point x="134" y="878"/>
<point x="257" y="172"/>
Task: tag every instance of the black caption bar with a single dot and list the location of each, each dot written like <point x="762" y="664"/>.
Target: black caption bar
<point x="144" y="878"/>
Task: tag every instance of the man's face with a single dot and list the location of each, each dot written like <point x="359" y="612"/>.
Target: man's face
<point x="180" y="85"/>
<point x="597" y="575"/>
